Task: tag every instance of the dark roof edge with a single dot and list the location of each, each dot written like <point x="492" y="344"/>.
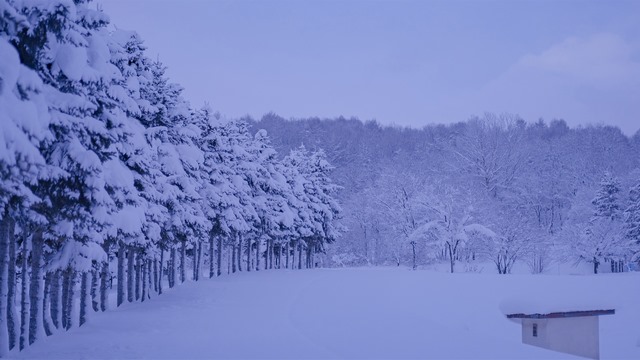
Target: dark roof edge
<point x="563" y="314"/>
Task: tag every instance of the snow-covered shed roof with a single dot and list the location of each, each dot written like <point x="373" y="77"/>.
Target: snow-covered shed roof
<point x="562" y="314"/>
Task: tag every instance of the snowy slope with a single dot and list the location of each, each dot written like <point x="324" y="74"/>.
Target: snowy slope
<point x="347" y="313"/>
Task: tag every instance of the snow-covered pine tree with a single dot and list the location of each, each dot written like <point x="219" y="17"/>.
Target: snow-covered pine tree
<point x="295" y="168"/>
<point x="631" y="218"/>
<point x="603" y="235"/>
<point x="217" y="190"/>
<point x="606" y="201"/>
<point x="298" y="202"/>
<point x="68" y="46"/>
<point x="240" y="218"/>
<point x="171" y="135"/>
<point x="23" y="126"/>
<point x="327" y="210"/>
<point x="319" y="219"/>
<point x="248" y="173"/>
<point x="266" y="192"/>
<point x="141" y="212"/>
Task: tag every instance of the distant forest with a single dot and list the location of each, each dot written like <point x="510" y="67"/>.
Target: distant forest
<point x="494" y="188"/>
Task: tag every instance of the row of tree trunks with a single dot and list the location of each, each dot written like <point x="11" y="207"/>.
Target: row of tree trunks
<point x="47" y="299"/>
<point x="241" y="255"/>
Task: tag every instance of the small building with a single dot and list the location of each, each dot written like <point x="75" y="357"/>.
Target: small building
<point x="571" y="332"/>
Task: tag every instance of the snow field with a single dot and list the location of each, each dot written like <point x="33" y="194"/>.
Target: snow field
<point x="348" y="314"/>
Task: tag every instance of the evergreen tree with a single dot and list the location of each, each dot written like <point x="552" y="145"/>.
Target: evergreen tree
<point x="606" y="201"/>
<point x="632" y="218"/>
<point x="23" y="127"/>
<point x="172" y="137"/>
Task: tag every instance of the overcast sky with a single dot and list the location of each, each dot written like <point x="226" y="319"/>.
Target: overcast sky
<point x="400" y="62"/>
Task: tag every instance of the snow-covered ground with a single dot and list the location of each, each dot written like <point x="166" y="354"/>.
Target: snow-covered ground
<point x="349" y="313"/>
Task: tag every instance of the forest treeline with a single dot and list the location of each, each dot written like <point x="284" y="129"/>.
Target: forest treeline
<point x="111" y="179"/>
<point x="493" y="188"/>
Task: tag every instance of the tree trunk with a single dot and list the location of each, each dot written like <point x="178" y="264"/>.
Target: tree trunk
<point x="229" y="260"/>
<point x="121" y="273"/>
<point x="64" y="293"/>
<point x="199" y="262"/>
<point x="155" y="274"/>
<point x="194" y="271"/>
<point x="293" y="256"/>
<point x="138" y="271"/>
<point x="69" y="284"/>
<point x="46" y="305"/>
<point x="219" y="264"/>
<point x="309" y="257"/>
<point x="56" y="300"/>
<point x="233" y="258"/>
<point x="266" y="255"/>
<point x="299" y="254"/>
<point x="24" y="299"/>
<point x="4" y="284"/>
<point x="149" y="280"/>
<point x="279" y="256"/>
<point x="451" y="258"/>
<point x="95" y="302"/>
<point x="104" y="295"/>
<point x="595" y="265"/>
<point x="172" y="268"/>
<point x="249" y="265"/>
<point x="160" y="269"/>
<point x="413" y="247"/>
<point x="36" y="327"/>
<point x="84" y="297"/>
<point x="239" y="257"/>
<point x="143" y="291"/>
<point x="183" y="262"/>
<point x="258" y="241"/>
<point x="286" y="248"/>
<point x="211" y="255"/>
<point x="12" y="318"/>
<point x="131" y="258"/>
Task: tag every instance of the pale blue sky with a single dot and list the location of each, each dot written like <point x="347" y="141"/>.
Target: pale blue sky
<point x="400" y="62"/>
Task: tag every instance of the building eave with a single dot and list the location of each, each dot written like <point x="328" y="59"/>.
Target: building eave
<point x="562" y="314"/>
